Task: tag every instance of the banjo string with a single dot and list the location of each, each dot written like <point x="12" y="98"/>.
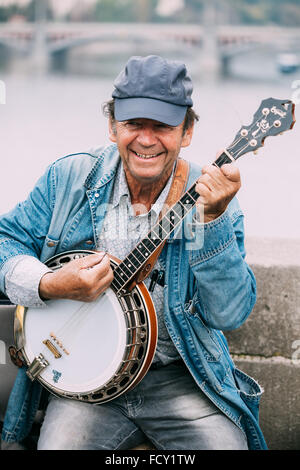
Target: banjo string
<point x="67" y="333"/>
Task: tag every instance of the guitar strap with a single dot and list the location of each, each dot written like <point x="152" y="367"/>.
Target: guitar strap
<point x="177" y="189"/>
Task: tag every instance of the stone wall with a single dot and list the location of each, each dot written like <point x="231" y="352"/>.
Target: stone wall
<point x="267" y="346"/>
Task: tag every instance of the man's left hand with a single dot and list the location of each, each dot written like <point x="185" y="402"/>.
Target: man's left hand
<point x="217" y="187"/>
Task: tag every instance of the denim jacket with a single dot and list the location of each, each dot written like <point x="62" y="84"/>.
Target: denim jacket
<point x="209" y="288"/>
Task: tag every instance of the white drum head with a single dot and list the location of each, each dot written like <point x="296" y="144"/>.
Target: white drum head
<point x="94" y="334"/>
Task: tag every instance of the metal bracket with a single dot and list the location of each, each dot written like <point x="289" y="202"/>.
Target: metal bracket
<point x="38" y="364"/>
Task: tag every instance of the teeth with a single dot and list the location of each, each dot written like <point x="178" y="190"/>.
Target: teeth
<point x="146" y="156"/>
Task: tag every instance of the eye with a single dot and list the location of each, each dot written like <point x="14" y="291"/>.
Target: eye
<point x="133" y="124"/>
<point x="163" y="126"/>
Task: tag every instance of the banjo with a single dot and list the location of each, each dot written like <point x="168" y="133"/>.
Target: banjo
<point x="96" y="351"/>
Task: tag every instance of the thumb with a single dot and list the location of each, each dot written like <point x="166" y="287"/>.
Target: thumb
<point x="231" y="171"/>
<point x="91" y="260"/>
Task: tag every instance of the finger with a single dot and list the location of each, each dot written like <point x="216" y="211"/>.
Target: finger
<point x="91" y="260"/>
<point x="205" y="180"/>
<point x="99" y="270"/>
<point x="212" y="171"/>
<point x="102" y="284"/>
<point x="231" y="171"/>
<point x="106" y="280"/>
<point x="212" y="176"/>
<point x="204" y="192"/>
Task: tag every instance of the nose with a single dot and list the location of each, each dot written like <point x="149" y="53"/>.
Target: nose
<point x="146" y="136"/>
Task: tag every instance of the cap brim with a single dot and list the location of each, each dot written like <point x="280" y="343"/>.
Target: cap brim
<point x="148" y="108"/>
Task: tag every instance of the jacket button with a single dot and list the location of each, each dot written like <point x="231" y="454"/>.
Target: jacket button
<point x="89" y="242"/>
<point x="50" y="244"/>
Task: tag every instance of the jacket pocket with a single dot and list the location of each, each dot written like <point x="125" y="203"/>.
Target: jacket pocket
<point x="206" y="350"/>
<point x="203" y="335"/>
<point x="250" y="391"/>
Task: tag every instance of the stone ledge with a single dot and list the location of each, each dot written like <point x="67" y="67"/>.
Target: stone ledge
<point x="273" y="328"/>
<point x="279" y="406"/>
<point x="272" y="251"/>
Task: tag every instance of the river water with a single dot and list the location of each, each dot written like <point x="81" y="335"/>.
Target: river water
<point x="48" y="116"/>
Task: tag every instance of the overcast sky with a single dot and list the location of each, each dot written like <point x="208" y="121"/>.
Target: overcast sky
<point x="164" y="8"/>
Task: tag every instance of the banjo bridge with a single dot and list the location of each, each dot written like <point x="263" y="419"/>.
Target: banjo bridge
<point x="59" y="343"/>
<point x="52" y="348"/>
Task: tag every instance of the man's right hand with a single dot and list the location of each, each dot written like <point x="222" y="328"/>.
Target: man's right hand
<point x="81" y="279"/>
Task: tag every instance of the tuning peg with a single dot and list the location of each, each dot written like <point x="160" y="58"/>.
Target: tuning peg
<point x="255" y="152"/>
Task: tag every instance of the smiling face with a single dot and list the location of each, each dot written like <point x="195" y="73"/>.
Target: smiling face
<point x="148" y="148"/>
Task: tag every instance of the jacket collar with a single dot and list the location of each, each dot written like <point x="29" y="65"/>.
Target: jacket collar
<point x="105" y="167"/>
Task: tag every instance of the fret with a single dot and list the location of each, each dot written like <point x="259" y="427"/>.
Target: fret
<point x="121" y="275"/>
<point x="149" y="244"/>
<point x="192" y="198"/>
<point x="186" y="199"/>
<point x="144" y="249"/>
<point x="158" y="232"/>
<point x="138" y="255"/>
<point x="192" y="191"/>
<point x="133" y="260"/>
<point x="155" y="240"/>
<point x="174" y="217"/>
<point x="117" y="281"/>
<point x="167" y="223"/>
<point x="222" y="159"/>
<point x="115" y="286"/>
<point x="122" y="271"/>
<point x="127" y="268"/>
<point x="139" y="249"/>
<point x="179" y="209"/>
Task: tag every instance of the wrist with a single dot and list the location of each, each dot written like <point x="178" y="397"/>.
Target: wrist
<point x="45" y="286"/>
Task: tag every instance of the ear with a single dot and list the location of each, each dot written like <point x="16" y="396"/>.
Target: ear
<point x="112" y="130"/>
<point x="187" y="137"/>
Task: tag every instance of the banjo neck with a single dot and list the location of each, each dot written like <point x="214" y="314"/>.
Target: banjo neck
<point x="136" y="259"/>
<point x="273" y="117"/>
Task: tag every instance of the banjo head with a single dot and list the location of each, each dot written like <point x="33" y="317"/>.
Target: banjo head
<point x="93" y="351"/>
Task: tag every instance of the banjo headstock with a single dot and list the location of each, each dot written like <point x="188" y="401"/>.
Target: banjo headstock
<point x="273" y="117"/>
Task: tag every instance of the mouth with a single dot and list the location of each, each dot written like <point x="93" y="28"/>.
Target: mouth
<point x="143" y="156"/>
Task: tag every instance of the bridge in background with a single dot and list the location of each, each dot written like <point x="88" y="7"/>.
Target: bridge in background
<point x="45" y="42"/>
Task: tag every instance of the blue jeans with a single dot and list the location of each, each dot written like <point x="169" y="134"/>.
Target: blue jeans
<point x="166" y="406"/>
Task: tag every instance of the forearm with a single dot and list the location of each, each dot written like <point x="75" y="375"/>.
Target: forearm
<point x="225" y="285"/>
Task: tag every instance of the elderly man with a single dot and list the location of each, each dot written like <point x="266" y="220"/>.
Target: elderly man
<point x="192" y="397"/>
